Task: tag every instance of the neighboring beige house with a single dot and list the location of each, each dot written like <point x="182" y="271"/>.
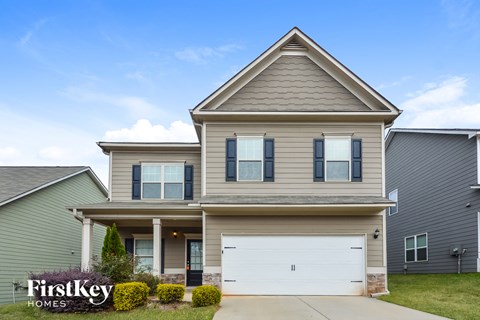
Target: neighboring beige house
<point x="284" y="194"/>
<point x="37" y="232"/>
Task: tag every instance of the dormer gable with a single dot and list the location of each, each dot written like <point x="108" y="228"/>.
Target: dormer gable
<point x="292" y="79"/>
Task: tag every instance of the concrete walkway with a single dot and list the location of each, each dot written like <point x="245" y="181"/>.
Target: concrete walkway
<point x="314" y="307"/>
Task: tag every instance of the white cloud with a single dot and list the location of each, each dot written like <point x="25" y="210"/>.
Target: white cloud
<point x="201" y="55"/>
<point x="136" y="106"/>
<point x="44" y="142"/>
<point x="28" y="36"/>
<point x="433" y="95"/>
<point x="395" y="83"/>
<point x="7" y="152"/>
<point x="440" y="106"/>
<point x="144" y="131"/>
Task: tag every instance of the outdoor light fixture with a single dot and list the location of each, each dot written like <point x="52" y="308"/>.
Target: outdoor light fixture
<point x="175" y="234"/>
<point x="376" y="233"/>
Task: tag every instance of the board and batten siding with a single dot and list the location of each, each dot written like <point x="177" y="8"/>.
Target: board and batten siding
<point x="433" y="174"/>
<point x="122" y="170"/>
<point x="216" y="225"/>
<point x="38" y="233"/>
<point x="293" y="83"/>
<point x="294" y="159"/>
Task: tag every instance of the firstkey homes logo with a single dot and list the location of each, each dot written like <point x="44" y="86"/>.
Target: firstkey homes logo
<point x="96" y="294"/>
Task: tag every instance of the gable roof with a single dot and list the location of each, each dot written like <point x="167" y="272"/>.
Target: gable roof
<point x="18" y="182"/>
<point x="468" y="132"/>
<point x="295" y="42"/>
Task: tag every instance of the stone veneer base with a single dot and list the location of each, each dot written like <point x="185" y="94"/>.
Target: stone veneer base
<point x="214" y="279"/>
<point x="175" y="278"/>
<point x="375" y="283"/>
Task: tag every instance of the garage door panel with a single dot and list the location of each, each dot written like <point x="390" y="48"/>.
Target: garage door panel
<point x="298" y="265"/>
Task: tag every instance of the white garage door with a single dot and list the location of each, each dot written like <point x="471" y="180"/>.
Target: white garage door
<point x="293" y="265"/>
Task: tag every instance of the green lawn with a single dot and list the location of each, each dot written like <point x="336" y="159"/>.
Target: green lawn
<point x="455" y="296"/>
<point x="22" y="311"/>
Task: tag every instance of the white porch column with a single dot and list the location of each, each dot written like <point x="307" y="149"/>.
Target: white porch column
<point x="87" y="234"/>
<point x="157" y="247"/>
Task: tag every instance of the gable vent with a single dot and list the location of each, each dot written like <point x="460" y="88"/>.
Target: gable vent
<point x="294" y="45"/>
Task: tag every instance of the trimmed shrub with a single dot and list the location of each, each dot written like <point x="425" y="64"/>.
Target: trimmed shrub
<point x="167" y="293"/>
<point x="149" y="279"/>
<point x="129" y="295"/>
<point x="112" y="244"/>
<point x="203" y="296"/>
<point x="117" y="268"/>
<point x="78" y="304"/>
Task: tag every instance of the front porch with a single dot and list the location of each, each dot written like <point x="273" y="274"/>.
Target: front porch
<point x="165" y="239"/>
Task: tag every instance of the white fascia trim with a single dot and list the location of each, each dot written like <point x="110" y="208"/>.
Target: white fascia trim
<point x="152" y="145"/>
<point x="139" y="217"/>
<point x="286" y="113"/>
<point x="212" y="269"/>
<point x="203" y="160"/>
<point x="110" y="169"/>
<point x="174" y="271"/>
<point x="297" y="205"/>
<point x="377" y="270"/>
<point x="43" y="186"/>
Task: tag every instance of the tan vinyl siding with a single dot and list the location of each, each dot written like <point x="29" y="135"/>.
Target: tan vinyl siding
<point x="216" y="225"/>
<point x="294" y="159"/>
<point x="122" y="170"/>
<point x="37" y="233"/>
<point x="293" y="83"/>
<point x="174" y="247"/>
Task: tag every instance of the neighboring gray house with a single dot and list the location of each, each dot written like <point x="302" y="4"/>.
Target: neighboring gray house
<point x="37" y="232"/>
<point x="434" y="175"/>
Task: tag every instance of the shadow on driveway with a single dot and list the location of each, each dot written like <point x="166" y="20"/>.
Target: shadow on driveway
<point x="314" y="307"/>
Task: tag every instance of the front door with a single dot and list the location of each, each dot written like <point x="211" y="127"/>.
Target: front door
<point x="194" y="262"/>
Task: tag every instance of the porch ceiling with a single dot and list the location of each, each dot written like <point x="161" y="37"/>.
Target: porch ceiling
<point x="148" y="223"/>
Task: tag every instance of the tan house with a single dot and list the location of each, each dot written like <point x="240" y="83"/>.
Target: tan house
<point x="284" y="194"/>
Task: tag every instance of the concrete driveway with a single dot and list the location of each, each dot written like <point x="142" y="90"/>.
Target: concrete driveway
<point x="314" y="307"/>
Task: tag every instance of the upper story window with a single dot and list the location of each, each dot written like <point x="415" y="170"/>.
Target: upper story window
<point x="162" y="181"/>
<point x="394" y="197"/>
<point x="250" y="158"/>
<point x="416" y="248"/>
<point x="337" y="158"/>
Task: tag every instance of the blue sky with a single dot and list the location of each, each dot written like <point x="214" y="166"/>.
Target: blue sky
<point x="76" y="72"/>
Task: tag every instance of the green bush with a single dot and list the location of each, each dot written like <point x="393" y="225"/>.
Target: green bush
<point x="170" y="292"/>
<point x="206" y="296"/>
<point x="129" y="295"/>
<point x="148" y="278"/>
<point x="118" y="268"/>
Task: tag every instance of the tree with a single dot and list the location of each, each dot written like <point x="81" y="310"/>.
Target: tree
<point x="112" y="244"/>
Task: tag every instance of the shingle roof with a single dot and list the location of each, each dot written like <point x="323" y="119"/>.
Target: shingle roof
<point x="295" y="200"/>
<point x="15" y="181"/>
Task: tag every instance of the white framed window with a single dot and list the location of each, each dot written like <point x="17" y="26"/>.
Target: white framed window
<point x="338" y="157"/>
<point x="163" y="181"/>
<point x="416" y="248"/>
<point x="250" y="158"/>
<point x="143" y="251"/>
<point x="394" y="197"/>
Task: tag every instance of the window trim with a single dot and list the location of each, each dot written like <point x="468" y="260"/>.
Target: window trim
<point x="415" y="248"/>
<point x="396" y="202"/>
<point x="262" y="158"/>
<point x="162" y="179"/>
<point x="342" y="137"/>
<point x="136" y="237"/>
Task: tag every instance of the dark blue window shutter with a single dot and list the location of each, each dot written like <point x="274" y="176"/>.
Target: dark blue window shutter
<point x="129" y="245"/>
<point x="136" y="181"/>
<point x="231" y="159"/>
<point x="269" y="159"/>
<point x="356" y="160"/>
<point x="318" y="160"/>
<point x="188" y="177"/>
